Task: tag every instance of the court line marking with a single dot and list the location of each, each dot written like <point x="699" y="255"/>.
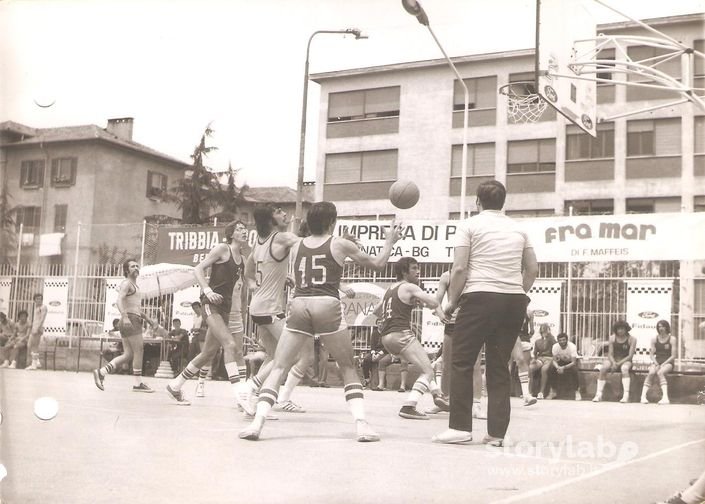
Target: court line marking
<point x="609" y="467"/>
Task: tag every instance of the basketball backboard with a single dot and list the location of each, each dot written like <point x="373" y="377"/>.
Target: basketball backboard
<point x="564" y="29"/>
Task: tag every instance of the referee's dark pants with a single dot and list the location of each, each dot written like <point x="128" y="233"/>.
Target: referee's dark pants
<point x="493" y="320"/>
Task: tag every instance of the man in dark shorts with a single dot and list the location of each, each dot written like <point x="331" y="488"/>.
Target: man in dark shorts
<point x="619" y="359"/>
<point x="227" y="267"/>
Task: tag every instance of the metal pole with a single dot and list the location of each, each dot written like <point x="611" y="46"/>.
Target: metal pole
<point x="17" y="270"/>
<point x="464" y="157"/>
<point x="144" y="235"/>
<point x="298" y="214"/>
<point x="75" y="281"/>
<point x="569" y="307"/>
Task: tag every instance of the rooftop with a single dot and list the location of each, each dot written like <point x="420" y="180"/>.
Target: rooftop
<point x="27" y="135"/>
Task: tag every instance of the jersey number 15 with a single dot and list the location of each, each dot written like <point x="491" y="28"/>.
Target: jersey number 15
<point x="313" y="274"/>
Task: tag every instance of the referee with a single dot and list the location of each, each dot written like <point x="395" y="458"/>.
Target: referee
<point x="493" y="267"/>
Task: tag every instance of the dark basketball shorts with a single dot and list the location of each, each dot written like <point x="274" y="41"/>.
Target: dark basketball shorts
<point x="397" y="342"/>
<point x="313" y="315"/>
<point x="222" y="309"/>
<point x="448" y="329"/>
<point x="266" y="319"/>
<point x="136" y="328"/>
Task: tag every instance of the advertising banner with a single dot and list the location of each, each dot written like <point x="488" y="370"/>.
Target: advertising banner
<point x="648" y="301"/>
<point x="111" y="294"/>
<point x="546" y="305"/>
<point x="190" y="245"/>
<point x="56" y="295"/>
<point x="358" y="310"/>
<point x="633" y="237"/>
<point x="182" y="305"/>
<point x="5" y="290"/>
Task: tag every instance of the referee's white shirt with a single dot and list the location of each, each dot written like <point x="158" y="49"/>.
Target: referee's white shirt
<point x="497" y="245"/>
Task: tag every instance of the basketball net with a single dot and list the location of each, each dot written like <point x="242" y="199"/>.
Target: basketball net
<point x="523" y="106"/>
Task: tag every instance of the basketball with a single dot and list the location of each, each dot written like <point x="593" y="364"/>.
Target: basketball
<point x="404" y="194"/>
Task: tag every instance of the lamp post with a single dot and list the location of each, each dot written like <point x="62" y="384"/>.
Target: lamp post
<point x="302" y="141"/>
<point x="415" y="9"/>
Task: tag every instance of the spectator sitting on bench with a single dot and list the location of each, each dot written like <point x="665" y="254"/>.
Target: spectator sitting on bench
<point x="371" y="360"/>
<point x="564" y="366"/>
<point x="178" y="350"/>
<point x="662" y="357"/>
<point x="19" y="341"/>
<point x="8" y="331"/>
<point x="543" y="355"/>
<point x="619" y="359"/>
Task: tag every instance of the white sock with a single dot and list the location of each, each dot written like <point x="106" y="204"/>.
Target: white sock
<point x="600" y="387"/>
<point x="189" y="372"/>
<point x="233" y="374"/>
<point x="354" y="398"/>
<point x="420" y="387"/>
<point x="626" y="382"/>
<point x="137" y="373"/>
<point x="267" y="399"/>
<point x="645" y="389"/>
<point x="664" y="389"/>
<point x="292" y="380"/>
<point x="242" y="373"/>
<point x="524" y="382"/>
<point x="203" y="373"/>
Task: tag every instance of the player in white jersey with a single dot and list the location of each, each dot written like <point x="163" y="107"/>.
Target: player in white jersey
<point x="266" y="271"/>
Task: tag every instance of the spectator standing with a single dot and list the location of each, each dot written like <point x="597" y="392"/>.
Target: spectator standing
<point x="494" y="266"/>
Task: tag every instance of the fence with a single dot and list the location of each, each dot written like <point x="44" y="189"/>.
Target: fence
<point x="594" y="296"/>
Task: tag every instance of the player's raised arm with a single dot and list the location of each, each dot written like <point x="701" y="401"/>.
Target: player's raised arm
<point x="378" y="262"/>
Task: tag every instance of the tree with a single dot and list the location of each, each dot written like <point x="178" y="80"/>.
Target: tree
<point x="233" y="196"/>
<point x="199" y="192"/>
<point x="8" y="235"/>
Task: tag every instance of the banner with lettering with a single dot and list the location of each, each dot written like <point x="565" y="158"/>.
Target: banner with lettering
<point x="358" y="310"/>
<point x="648" y="301"/>
<point x="56" y="295"/>
<point x="546" y="305"/>
<point x="190" y="245"/>
<point x="633" y="237"/>
<point x="5" y="290"/>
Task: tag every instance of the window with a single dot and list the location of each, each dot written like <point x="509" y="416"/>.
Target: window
<point x="156" y="185"/>
<point x="483" y="93"/>
<point x="380" y="217"/>
<point x="482" y="102"/>
<point x="699" y="204"/>
<point x="30" y="218"/>
<point x="63" y="172"/>
<point x="60" y="213"/>
<point x="606" y="55"/>
<point x="32" y="173"/>
<point x="589" y="207"/>
<point x="580" y="145"/>
<point x="545" y="212"/>
<point x="531" y="156"/>
<point x="653" y="205"/>
<point x="699" y="129"/>
<point x="480" y="160"/>
<point x="363" y="104"/>
<point x="654" y="57"/>
<point x="369" y="166"/>
<point x="659" y="137"/>
<point x="699" y="68"/>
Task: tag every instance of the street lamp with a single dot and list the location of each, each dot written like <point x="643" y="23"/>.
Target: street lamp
<point x="415" y="9"/>
<point x="302" y="145"/>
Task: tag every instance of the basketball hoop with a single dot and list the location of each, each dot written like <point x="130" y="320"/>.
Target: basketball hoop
<point x="524" y="105"/>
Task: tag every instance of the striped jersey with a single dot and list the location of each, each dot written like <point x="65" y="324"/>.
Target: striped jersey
<point x="396" y="314"/>
<point x="316" y="271"/>
<point x="270" y="277"/>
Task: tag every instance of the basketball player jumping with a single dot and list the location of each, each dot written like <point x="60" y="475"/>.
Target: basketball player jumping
<point x="316" y="309"/>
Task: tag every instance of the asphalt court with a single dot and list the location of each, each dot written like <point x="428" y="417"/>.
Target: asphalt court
<point x="121" y="446"/>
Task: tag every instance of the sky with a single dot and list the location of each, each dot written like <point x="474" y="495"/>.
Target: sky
<point x="178" y="65"/>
